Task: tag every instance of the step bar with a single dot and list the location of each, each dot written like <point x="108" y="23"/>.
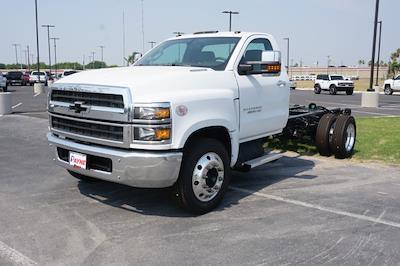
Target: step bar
<point x="267" y="158"/>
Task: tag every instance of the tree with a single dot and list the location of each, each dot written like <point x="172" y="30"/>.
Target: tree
<point x="361" y="62"/>
<point x="133" y="57"/>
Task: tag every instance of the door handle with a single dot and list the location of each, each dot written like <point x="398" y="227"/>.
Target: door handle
<point x="281" y="83"/>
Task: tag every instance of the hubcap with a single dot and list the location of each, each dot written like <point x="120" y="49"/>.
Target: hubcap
<point x="350" y="137"/>
<point x="208" y="176"/>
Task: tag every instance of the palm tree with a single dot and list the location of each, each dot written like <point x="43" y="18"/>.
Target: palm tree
<point x="133" y="58"/>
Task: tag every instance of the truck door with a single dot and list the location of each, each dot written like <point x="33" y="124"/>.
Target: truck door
<point x="264" y="98"/>
<point x="396" y="83"/>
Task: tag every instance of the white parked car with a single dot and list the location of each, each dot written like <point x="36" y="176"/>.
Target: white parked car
<point x="333" y="84"/>
<point x="3" y="82"/>
<point x="184" y="115"/>
<point x="392" y="85"/>
<point x="36" y="77"/>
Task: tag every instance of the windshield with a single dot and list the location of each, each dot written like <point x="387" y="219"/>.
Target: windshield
<point x="212" y="52"/>
<point x="337" y="78"/>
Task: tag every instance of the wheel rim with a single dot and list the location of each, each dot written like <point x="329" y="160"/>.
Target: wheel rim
<point x="208" y="176"/>
<point x="350" y="137"/>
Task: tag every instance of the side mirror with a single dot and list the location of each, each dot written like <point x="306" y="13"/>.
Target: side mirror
<point x="270" y="63"/>
<point x="244" y="69"/>
<point x="271" y="57"/>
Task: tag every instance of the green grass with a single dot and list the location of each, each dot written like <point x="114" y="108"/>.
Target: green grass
<point x="378" y="139"/>
<point x="359" y="85"/>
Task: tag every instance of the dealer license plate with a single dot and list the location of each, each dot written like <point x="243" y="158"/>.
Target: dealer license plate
<point x="77" y="160"/>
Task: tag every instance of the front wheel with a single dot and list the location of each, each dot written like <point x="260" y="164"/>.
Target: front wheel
<point x="204" y="176"/>
<point x="388" y="90"/>
<point x="332" y="90"/>
<point x="350" y="91"/>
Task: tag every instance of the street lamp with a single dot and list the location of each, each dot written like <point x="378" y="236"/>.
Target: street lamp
<point x="102" y="48"/>
<point x="48" y="41"/>
<point x="230" y="17"/>
<point x="371" y="81"/>
<point x="55" y="56"/>
<point x="287" y="56"/>
<point x="379" y="53"/>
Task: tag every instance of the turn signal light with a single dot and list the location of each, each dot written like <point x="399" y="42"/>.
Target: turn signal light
<point x="162" y="113"/>
<point x="273" y="68"/>
<point x="163" y="133"/>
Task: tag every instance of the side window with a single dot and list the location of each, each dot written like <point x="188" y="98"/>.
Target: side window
<point x="255" y="48"/>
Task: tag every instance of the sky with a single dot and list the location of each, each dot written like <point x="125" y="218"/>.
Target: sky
<point x="342" y="29"/>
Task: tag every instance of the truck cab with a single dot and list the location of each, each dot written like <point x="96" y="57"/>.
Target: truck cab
<point x="190" y="110"/>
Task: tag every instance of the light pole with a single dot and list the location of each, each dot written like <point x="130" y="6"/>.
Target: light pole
<point x="287" y="56"/>
<point x="37" y="40"/>
<point x="55" y="55"/>
<point x="371" y="81"/>
<point x="152" y="43"/>
<point x="379" y="53"/>
<point x="16" y="52"/>
<point x="230" y="17"/>
<point x="93" y="60"/>
<point x="102" y="48"/>
<point x="48" y="41"/>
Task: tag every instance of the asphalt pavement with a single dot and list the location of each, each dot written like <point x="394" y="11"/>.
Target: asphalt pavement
<point x="296" y="211"/>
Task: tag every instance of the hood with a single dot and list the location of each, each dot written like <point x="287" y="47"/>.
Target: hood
<point x="153" y="82"/>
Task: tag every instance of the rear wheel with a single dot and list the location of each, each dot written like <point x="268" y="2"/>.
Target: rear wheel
<point x="83" y="178"/>
<point x="344" y="137"/>
<point x="317" y="89"/>
<point x="332" y="90"/>
<point x="388" y="90"/>
<point x="204" y="176"/>
<point x="324" y="134"/>
<point x="350" y="91"/>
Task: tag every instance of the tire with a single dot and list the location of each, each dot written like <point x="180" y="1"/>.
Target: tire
<point x="83" y="178"/>
<point x="317" y="89"/>
<point x="323" y="136"/>
<point x="350" y="91"/>
<point x="388" y="90"/>
<point x="344" y="137"/>
<point x="204" y="176"/>
<point x="332" y="90"/>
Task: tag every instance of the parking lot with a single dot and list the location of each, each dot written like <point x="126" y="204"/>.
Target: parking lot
<point x="296" y="211"/>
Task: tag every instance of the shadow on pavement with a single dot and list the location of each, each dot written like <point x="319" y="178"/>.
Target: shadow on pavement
<point x="160" y="202"/>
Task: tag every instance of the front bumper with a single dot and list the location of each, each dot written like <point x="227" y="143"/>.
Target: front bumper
<point x="344" y="88"/>
<point x="131" y="167"/>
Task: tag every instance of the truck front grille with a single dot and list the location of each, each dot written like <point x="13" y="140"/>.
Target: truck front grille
<point x="94" y="130"/>
<point x="89" y="98"/>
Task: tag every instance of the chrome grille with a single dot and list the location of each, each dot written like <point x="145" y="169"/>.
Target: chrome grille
<point x="92" y="130"/>
<point x="89" y="98"/>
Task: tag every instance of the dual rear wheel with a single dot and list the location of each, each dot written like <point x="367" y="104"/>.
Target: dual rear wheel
<point x="336" y="134"/>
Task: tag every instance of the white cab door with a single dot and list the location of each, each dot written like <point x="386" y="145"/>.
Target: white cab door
<point x="264" y="98"/>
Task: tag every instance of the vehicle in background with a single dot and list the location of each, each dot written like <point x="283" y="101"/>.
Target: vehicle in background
<point x="392" y="85"/>
<point x="38" y="77"/>
<point x="15" y="77"/>
<point x="333" y="84"/>
<point x="68" y="72"/>
<point x="3" y="82"/>
<point x="26" y="78"/>
<point x="292" y="84"/>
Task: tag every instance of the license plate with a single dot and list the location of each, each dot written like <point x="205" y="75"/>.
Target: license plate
<point x="77" y="160"/>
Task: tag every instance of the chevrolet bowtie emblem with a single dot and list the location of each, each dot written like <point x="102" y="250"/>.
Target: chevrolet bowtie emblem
<point x="77" y="107"/>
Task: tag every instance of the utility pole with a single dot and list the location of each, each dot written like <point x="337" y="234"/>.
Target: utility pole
<point x="29" y="62"/>
<point x="379" y="53"/>
<point x="48" y="41"/>
<point x="37" y="40"/>
<point x="55" y="55"/>
<point x="152" y="43"/>
<point x="230" y="17"/>
<point x="102" y="48"/>
<point x="371" y="81"/>
<point x="287" y="56"/>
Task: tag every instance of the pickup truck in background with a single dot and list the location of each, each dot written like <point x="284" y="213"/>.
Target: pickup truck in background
<point x="392" y="85"/>
<point x="333" y="84"/>
<point x="188" y="112"/>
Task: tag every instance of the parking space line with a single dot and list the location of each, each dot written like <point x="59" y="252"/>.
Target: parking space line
<point x="378" y="220"/>
<point x="14" y="256"/>
<point x="15" y="106"/>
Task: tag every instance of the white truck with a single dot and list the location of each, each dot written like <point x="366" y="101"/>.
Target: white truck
<point x="184" y="115"/>
<point x="333" y="84"/>
<point x="392" y="85"/>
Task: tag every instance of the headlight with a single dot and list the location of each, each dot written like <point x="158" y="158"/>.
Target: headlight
<point x="152" y="133"/>
<point x="152" y="113"/>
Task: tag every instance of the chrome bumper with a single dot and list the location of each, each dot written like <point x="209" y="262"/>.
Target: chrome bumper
<point x="134" y="168"/>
